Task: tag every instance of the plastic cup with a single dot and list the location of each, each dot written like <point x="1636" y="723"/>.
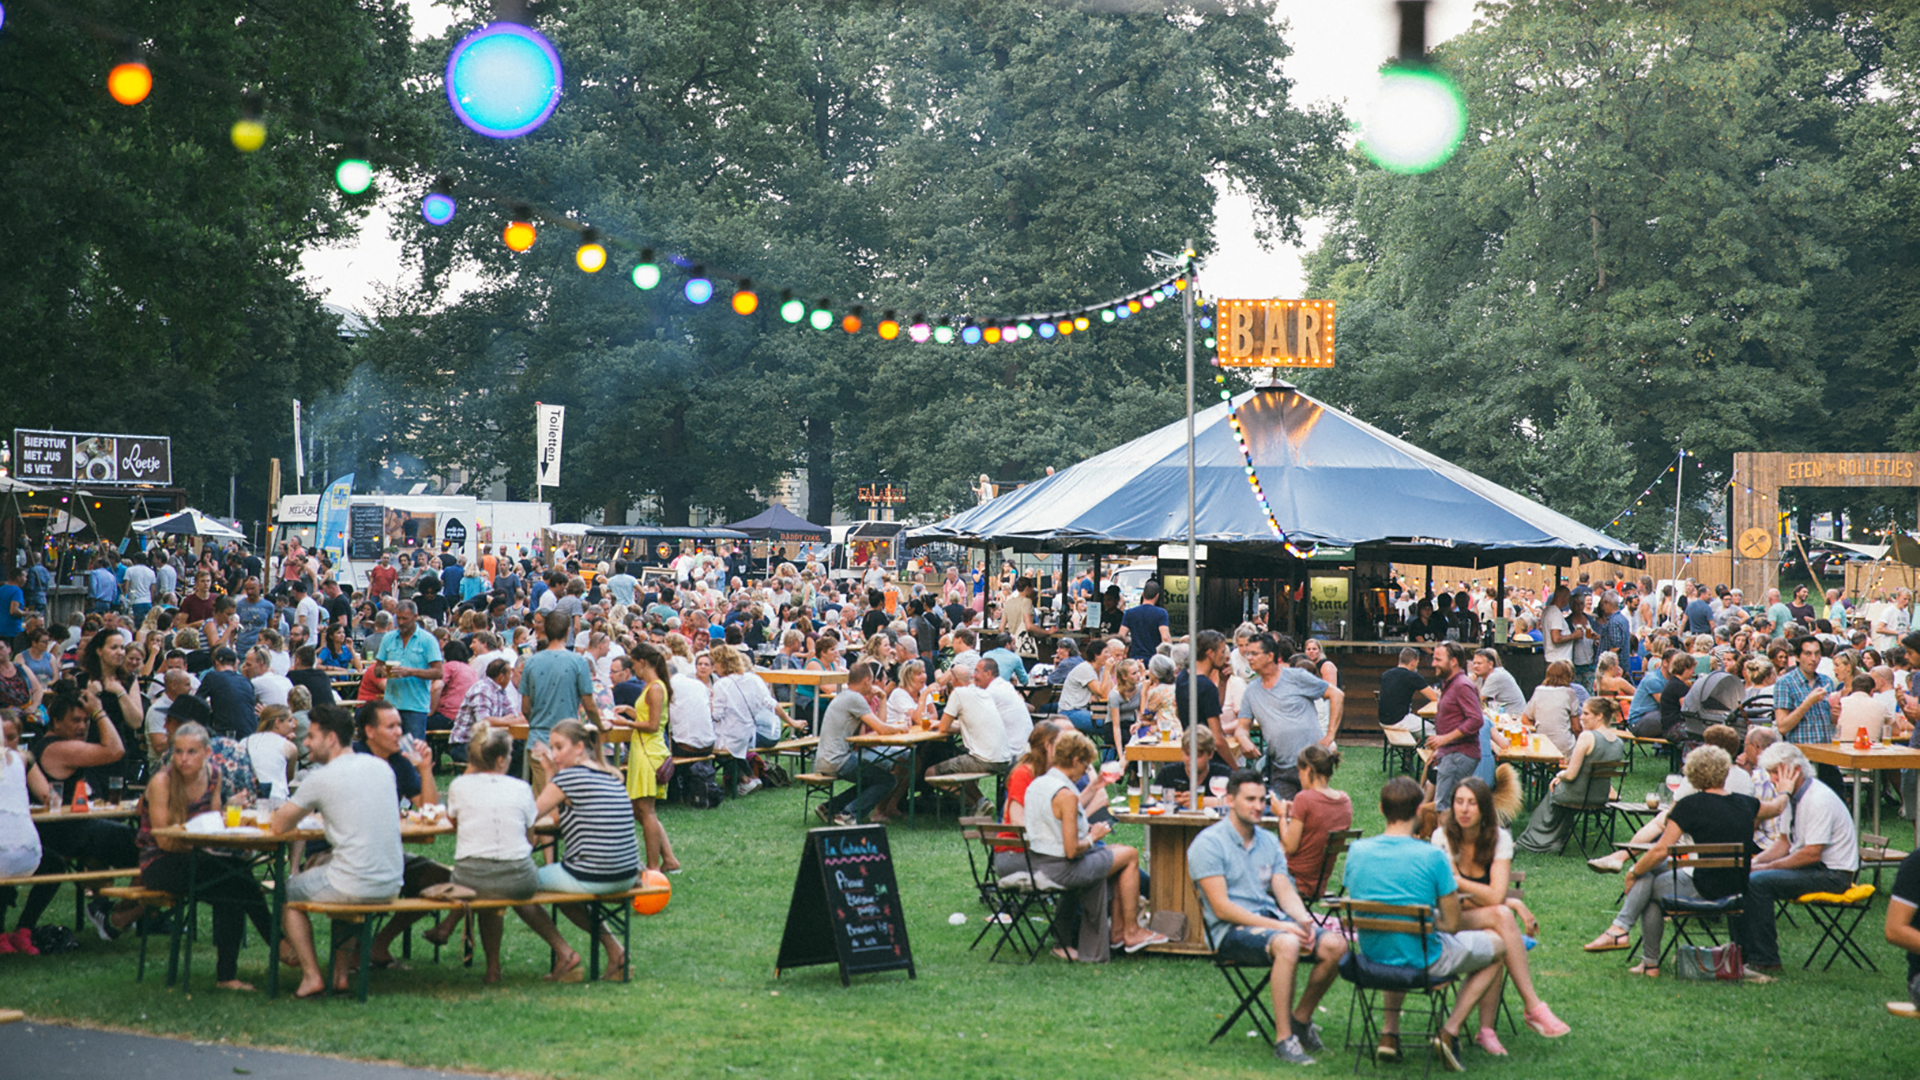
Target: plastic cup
<point x="233" y="817"/>
<point x="1653" y="800"/>
<point x="1133" y="800"/>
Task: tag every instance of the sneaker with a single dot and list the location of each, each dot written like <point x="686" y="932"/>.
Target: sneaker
<point x="1309" y="1035"/>
<point x="22" y="942"/>
<point x="749" y="786"/>
<point x="1489" y="1041"/>
<point x="1544" y="1023"/>
<point x="983" y="808"/>
<point x="845" y="819"/>
<point x="821" y="811"/>
<point x="99" y="913"/>
<point x="1447" y="1049"/>
<point x="1290" y="1051"/>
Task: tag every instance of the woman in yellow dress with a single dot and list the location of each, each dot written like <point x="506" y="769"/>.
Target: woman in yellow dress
<point x="646" y="724"/>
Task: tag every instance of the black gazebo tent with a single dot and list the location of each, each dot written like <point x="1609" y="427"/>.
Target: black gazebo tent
<point x="780" y="525"/>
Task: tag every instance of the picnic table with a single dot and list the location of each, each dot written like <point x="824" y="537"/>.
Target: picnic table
<point x="819" y="680"/>
<point x="1536" y="766"/>
<point x="97" y="812"/>
<point x="257" y="841"/>
<point x="1882" y="756"/>
<point x="912" y="740"/>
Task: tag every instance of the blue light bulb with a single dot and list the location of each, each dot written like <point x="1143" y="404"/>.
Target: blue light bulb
<point x="699" y="290"/>
<point x="437" y="208"/>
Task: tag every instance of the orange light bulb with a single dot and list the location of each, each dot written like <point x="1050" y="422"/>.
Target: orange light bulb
<point x="518" y="236"/>
<point x="130" y="83"/>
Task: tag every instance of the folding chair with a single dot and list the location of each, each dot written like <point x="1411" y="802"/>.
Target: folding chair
<point x="1837" y="915"/>
<point x="1683" y="914"/>
<point x="1876" y="855"/>
<point x="1017" y="897"/>
<point x="1399" y="751"/>
<point x="980" y="856"/>
<point x="1598" y="818"/>
<point x="1337" y="844"/>
<point x="1250" y="997"/>
<point x="1370" y="978"/>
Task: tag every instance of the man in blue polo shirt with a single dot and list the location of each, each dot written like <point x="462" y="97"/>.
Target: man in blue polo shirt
<point x="413" y="662"/>
<point x="1254" y="914"/>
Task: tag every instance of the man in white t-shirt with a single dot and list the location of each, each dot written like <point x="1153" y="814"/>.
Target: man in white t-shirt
<point x="1011" y="706"/>
<point x="138" y="586"/>
<point x="358" y="799"/>
<point x="269" y="687"/>
<point x="1555" y="632"/>
<point x="308" y="613"/>
<point x="1819" y="852"/>
<point x="983" y="733"/>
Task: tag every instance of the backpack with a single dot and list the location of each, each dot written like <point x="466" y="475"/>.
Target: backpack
<point x="700" y="786"/>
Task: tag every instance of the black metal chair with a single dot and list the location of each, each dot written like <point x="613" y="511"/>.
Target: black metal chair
<point x="1598" y="819"/>
<point x="1249" y="995"/>
<point x="1684" y="914"/>
<point x="1371" y="978"/>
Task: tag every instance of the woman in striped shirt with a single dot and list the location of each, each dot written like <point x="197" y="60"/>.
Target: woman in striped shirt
<point x="600" y="853"/>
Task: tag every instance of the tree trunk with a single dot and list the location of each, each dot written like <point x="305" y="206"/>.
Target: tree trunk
<point x="674" y="491"/>
<point x="820" y="470"/>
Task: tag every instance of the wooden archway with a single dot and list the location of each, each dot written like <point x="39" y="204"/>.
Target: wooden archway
<point x="1757" y="480"/>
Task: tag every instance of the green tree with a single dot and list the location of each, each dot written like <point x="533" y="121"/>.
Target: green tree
<point x="151" y="269"/>
<point x="990" y="158"/>
<point x="1646" y="208"/>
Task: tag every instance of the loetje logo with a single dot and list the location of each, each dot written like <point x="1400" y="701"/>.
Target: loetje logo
<point x="139" y="463"/>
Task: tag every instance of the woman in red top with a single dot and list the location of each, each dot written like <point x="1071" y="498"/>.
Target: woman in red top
<point x="1308" y="819"/>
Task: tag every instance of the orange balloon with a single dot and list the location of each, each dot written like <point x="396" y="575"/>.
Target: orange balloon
<point x="130" y="83"/>
<point x="655" y="903"/>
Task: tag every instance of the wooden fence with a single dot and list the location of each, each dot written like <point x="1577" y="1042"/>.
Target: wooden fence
<point x="1711" y="567"/>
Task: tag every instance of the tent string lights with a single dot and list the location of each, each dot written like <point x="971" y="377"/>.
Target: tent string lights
<point x="1253" y="478"/>
<point x="534" y="69"/>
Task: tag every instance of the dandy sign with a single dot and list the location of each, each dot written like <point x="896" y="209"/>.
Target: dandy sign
<point x="68" y="457"/>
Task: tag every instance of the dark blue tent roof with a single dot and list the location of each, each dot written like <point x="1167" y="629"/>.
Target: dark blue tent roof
<point x="779" y="523"/>
<point x="1329" y="478"/>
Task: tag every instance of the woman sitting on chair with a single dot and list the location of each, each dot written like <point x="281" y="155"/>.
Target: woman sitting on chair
<point x="1574" y="786"/>
<point x="1063" y="852"/>
<point x="1482" y="855"/>
<point x="1310" y="817"/>
<point x="1711" y="815"/>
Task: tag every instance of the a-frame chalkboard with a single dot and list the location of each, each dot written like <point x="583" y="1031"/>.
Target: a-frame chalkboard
<point x="846" y="906"/>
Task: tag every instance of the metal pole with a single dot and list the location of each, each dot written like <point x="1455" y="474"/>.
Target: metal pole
<point x="1679" y="477"/>
<point x="1195" y="782"/>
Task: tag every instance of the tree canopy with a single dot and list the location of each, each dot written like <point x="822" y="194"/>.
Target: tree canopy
<point x="990" y="157"/>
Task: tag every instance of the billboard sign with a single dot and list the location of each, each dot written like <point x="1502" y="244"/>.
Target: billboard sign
<point x="69" y="457"/>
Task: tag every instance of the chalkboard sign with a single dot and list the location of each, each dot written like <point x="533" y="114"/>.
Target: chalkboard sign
<point x="366" y="532"/>
<point x="846" y="906"/>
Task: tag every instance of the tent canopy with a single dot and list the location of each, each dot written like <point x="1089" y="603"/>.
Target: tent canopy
<point x="779" y="524"/>
<point x="1329" y="478"/>
<point x="188" y="523"/>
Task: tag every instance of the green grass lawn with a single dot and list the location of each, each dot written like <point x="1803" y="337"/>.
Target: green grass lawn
<point x="705" y="1002"/>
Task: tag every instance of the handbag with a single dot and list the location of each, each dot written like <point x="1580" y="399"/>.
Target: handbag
<point x="1026" y="646"/>
<point x="663" y="772"/>
<point x="1700" y="963"/>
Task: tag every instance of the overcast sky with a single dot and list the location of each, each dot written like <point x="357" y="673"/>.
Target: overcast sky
<point x="1337" y="50"/>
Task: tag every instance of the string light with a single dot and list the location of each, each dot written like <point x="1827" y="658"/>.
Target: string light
<point x="745" y="300"/>
<point x="646" y="275"/>
<point x="354" y="175"/>
<point x="518" y="235"/>
<point x="503" y="80"/>
<point x="919" y="332"/>
<point x="130" y="81"/>
<point x="698" y="290"/>
<point x="590" y="257"/>
<point x="889" y="327"/>
<point x="248" y="133"/>
<point x="791" y="310"/>
<point x="851" y="324"/>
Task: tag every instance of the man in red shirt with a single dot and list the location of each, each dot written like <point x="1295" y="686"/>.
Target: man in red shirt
<point x="1456" y="724"/>
<point x="381" y="578"/>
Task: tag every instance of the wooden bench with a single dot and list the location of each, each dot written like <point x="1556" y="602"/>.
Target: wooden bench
<point x="816" y="786"/>
<point x="79" y="879"/>
<point x="152" y="898"/>
<point x="609" y="910"/>
<point x="950" y="783"/>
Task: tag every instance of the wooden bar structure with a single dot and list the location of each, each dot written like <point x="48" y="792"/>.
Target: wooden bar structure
<point x="1757" y="480"/>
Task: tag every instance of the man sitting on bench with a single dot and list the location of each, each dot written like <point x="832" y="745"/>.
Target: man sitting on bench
<point x="356" y="796"/>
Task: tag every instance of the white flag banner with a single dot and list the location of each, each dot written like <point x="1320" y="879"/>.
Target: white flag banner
<point x="552" y="418"/>
<point x="299" y="453"/>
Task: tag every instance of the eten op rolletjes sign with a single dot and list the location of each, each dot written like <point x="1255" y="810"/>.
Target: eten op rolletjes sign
<point x="1275" y="333"/>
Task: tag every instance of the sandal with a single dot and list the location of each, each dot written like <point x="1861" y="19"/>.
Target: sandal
<point x="1609" y="941"/>
<point x="1388" y="1052"/>
<point x="1544" y="1024"/>
<point x="1651" y="971"/>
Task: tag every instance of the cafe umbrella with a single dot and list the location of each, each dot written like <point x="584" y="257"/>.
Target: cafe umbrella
<point x="189" y="522"/>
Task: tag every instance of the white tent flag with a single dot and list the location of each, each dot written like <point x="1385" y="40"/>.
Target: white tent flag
<point x="552" y="418"/>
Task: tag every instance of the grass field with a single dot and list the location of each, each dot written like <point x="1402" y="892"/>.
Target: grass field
<point x="705" y="1002"/>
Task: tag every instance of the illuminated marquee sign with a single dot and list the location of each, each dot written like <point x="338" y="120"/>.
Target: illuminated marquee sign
<point x="1275" y="333"/>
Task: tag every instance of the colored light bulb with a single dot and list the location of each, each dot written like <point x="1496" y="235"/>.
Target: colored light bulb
<point x="1081" y="323"/>
<point x="698" y="290"/>
<point x="646" y="276"/>
<point x="889" y="329"/>
<point x="745" y="301"/>
<point x="821" y="319"/>
<point x="590" y="257"/>
<point x="248" y="135"/>
<point x="518" y="235"/>
<point x="130" y="83"/>
<point x="1106" y="314"/>
<point x="970" y="335"/>
<point x="943" y="335"/>
<point x="919" y="332"/>
<point x="991" y="335"/>
<point x="1047" y="331"/>
<point x="437" y="208"/>
<point x="793" y="311"/>
<point x="354" y="175"/>
<point x="851" y="324"/>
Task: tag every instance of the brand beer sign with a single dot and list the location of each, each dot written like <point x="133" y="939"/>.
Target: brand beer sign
<point x="69" y="457"/>
<point x="1275" y="333"/>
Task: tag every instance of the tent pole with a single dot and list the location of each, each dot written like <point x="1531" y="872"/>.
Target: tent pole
<point x="1196" y="785"/>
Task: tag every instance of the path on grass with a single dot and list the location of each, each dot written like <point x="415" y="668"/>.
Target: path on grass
<point x="51" y="1052"/>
